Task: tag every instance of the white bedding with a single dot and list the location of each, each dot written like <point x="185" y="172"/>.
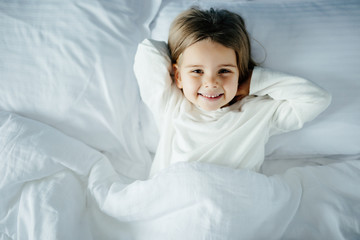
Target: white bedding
<point x="76" y="141"/>
<point x="56" y="187"/>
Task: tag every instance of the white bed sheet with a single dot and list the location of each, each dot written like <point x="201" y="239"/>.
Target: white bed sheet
<point x="56" y="187"/>
<point x="69" y="64"/>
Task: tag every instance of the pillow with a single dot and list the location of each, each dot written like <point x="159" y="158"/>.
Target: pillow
<point x="69" y="64"/>
<point x="317" y="40"/>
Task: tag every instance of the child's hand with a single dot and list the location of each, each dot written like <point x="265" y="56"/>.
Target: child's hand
<point x="243" y="89"/>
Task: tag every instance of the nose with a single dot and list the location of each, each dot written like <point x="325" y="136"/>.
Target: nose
<point x="211" y="82"/>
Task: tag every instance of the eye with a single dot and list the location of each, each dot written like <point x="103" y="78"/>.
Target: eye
<point x="198" y="71"/>
<point x="224" y="70"/>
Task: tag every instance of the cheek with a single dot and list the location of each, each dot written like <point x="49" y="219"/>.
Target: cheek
<point x="189" y="81"/>
<point x="231" y="86"/>
<point x="189" y="86"/>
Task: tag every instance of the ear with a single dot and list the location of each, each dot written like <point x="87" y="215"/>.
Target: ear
<point x="177" y="76"/>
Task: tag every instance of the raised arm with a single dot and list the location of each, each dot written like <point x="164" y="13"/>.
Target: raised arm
<point x="152" y="69"/>
<point x="298" y="100"/>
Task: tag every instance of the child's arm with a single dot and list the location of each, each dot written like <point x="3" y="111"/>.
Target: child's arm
<point x="297" y="99"/>
<point x="152" y="69"/>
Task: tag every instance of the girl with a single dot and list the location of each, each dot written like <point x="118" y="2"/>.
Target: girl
<point x="210" y="101"/>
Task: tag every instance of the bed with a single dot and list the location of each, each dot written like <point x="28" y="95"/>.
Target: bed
<point x="77" y="142"/>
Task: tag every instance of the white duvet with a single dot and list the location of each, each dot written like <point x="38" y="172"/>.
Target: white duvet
<point x="55" y="187"/>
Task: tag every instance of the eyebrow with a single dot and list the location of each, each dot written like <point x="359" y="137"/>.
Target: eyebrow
<point x="227" y="65"/>
<point x="221" y="65"/>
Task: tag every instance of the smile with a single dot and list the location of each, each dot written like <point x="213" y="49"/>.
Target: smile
<point x="211" y="96"/>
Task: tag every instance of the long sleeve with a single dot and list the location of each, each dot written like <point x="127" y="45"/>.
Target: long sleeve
<point x="152" y="69"/>
<point x="298" y="100"/>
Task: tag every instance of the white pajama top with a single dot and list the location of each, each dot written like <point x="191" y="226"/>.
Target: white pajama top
<point x="233" y="136"/>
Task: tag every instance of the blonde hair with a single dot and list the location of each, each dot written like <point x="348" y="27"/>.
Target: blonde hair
<point x="221" y="26"/>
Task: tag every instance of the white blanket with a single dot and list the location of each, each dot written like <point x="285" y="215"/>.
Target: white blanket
<point x="55" y="187"/>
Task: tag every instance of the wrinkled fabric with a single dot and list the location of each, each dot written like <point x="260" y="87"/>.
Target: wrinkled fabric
<point x="56" y="187"/>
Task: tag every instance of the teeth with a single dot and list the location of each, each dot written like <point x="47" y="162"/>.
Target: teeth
<point x="210" y="96"/>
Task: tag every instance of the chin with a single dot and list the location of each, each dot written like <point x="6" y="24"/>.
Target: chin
<point x="209" y="109"/>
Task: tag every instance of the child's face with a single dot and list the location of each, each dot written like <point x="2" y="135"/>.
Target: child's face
<point x="207" y="73"/>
